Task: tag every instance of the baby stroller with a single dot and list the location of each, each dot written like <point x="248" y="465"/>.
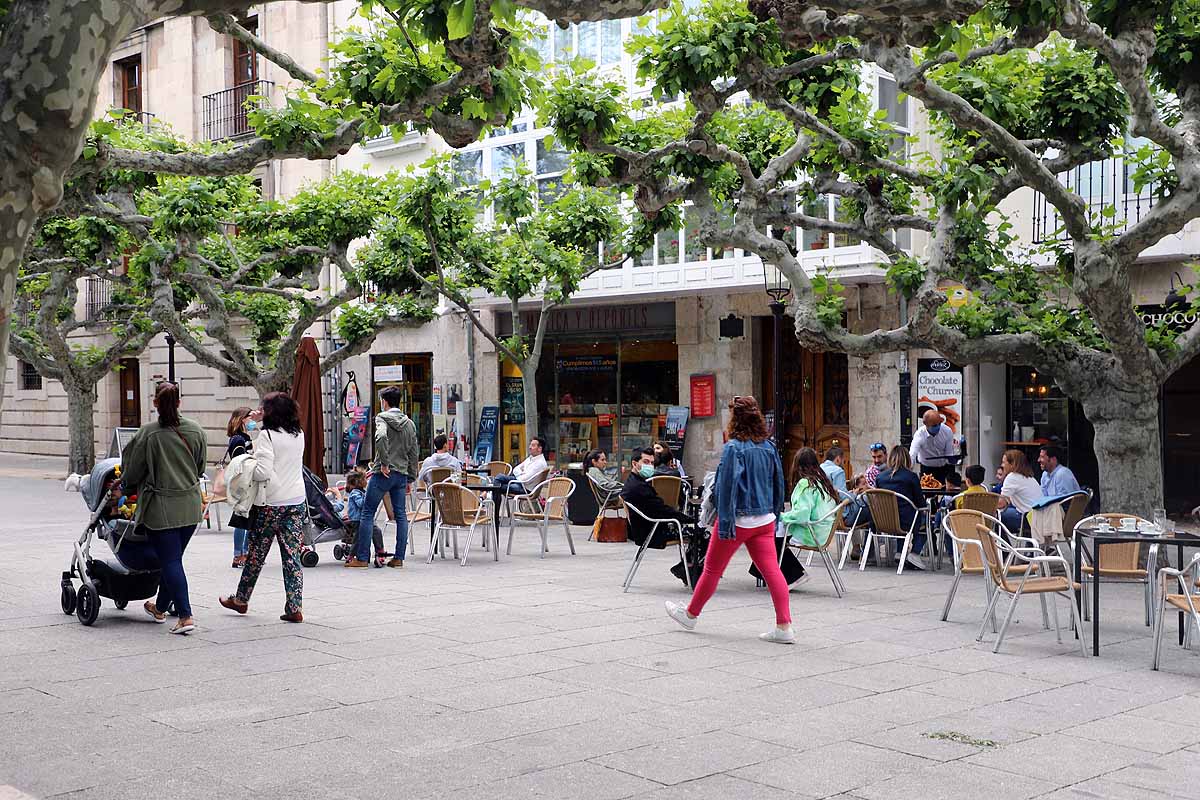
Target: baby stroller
<point x="132" y="573"/>
<point x="323" y="523"/>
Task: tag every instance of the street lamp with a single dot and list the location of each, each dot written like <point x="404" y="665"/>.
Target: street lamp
<point x="170" y="358"/>
<point x="778" y="289"/>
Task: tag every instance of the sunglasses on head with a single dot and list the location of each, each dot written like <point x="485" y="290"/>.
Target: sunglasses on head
<point x="878" y="446"/>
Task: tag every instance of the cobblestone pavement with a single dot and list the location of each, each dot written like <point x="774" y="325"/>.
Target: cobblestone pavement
<point x="540" y="678"/>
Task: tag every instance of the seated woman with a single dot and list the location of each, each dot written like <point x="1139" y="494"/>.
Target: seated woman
<point x="595" y="465"/>
<point x="812" y="499"/>
<point x="899" y="478"/>
<point x="665" y="462"/>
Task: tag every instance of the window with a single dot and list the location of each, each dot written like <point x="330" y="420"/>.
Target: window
<point x="694" y="249"/>
<point x="129" y="83"/>
<point x="842" y="214"/>
<point x="507" y="159"/>
<point x="245" y="60"/>
<point x="589" y="41"/>
<point x="816" y="240"/>
<point x="895" y="105"/>
<point x="668" y="246"/>
<point x="564" y="43"/>
<point x="30" y="380"/>
<point x="610" y="42"/>
<point x="598" y="42"/>
<point x="551" y="164"/>
<point x="467" y="167"/>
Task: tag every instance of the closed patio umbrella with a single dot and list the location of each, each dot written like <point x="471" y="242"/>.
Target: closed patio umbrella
<point x="306" y="391"/>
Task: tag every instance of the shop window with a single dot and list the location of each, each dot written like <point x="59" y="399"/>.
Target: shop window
<point x="30" y="379"/>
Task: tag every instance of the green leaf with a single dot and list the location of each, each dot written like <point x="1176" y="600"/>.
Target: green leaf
<point x="460" y="18"/>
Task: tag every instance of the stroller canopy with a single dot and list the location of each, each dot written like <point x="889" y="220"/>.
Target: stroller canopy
<point x="92" y="487"/>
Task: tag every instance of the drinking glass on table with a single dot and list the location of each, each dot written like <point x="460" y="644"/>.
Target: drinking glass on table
<point x="1160" y="519"/>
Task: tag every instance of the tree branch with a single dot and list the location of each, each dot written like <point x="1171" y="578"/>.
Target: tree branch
<point x="228" y="24"/>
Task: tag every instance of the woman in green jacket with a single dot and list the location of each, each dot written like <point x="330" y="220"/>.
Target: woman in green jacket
<point x="812" y="499"/>
<point x="162" y="465"/>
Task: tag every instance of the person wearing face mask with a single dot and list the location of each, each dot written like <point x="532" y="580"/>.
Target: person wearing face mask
<point x="641" y="495"/>
<point x="238" y="430"/>
<point x="934" y="447"/>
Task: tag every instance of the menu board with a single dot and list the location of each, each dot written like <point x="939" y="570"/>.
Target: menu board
<point x="704" y="395"/>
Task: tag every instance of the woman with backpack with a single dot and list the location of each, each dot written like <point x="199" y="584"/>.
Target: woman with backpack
<point x="162" y="465"/>
<point x="750" y="495"/>
<point x="279" y="462"/>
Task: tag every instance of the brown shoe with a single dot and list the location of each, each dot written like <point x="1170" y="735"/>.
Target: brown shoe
<point x="233" y="604"/>
<point x="295" y="616"/>
<point x="396" y="563"/>
<point x="354" y="562"/>
<point x="239" y="562"/>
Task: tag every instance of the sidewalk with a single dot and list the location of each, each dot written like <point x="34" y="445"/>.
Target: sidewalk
<point x="22" y="465"/>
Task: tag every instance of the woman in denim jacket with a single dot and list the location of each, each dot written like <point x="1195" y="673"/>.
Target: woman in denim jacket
<point x="750" y="495"/>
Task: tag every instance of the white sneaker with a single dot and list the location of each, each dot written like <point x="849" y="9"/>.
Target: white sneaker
<point x="779" y="636"/>
<point x="803" y="579"/>
<point x="915" y="561"/>
<point x="679" y="613"/>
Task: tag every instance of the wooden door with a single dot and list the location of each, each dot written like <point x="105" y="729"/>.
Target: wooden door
<point x="131" y="393"/>
<point x="816" y="397"/>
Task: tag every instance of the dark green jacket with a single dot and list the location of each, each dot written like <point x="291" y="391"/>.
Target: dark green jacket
<point x="396" y="443"/>
<point x="164" y="472"/>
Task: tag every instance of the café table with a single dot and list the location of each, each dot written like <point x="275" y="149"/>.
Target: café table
<point x="1177" y="539"/>
<point x="935" y="538"/>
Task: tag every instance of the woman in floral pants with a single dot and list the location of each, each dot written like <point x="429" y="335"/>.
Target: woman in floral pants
<point x="279" y="512"/>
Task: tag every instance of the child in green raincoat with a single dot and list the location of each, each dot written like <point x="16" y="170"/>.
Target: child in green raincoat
<point x="812" y="499"/>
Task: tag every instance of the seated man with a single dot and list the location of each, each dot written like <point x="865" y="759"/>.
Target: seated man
<point x="525" y="475"/>
<point x="834" y="468"/>
<point x="442" y="458"/>
<point x="1057" y="479"/>
<point x="639" y="493"/>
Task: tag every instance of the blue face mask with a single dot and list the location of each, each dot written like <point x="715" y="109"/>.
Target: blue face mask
<point x="646" y="471"/>
<point x="933" y="429"/>
<point x="251" y="425"/>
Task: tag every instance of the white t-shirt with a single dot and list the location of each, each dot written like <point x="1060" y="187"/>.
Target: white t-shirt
<point x="1021" y="490"/>
<point x="754" y="521"/>
<point x="280" y="462"/>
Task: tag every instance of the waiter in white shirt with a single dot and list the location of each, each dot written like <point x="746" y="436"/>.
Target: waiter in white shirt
<point x="524" y="476"/>
<point x="935" y="447"/>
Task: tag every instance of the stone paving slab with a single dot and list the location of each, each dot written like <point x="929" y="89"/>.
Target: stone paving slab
<point x="540" y="678"/>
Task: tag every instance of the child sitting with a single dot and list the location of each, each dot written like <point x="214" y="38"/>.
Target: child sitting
<point x="356" y="496"/>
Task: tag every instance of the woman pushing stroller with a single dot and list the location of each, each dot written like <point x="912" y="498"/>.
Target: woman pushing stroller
<point x="162" y="465"/>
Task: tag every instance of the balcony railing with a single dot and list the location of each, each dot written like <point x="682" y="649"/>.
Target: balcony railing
<point x="1102" y="185"/>
<point x="97" y="299"/>
<point x="225" y="112"/>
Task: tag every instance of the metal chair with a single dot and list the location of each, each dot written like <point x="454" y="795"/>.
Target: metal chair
<point x="460" y="509"/>
<point x="1076" y="507"/>
<point x="840" y="529"/>
<point x="1000" y="556"/>
<point x="820" y="545"/>
<point x="961" y="526"/>
<point x="496" y="468"/>
<point x="885" y="518"/>
<point x="669" y="488"/>
<point x="420" y="497"/>
<point x="1119" y="562"/>
<point x="606" y="500"/>
<point x="552" y="495"/>
<point x="1186" y="601"/>
<point x="526" y="496"/>
<point x="654" y="523"/>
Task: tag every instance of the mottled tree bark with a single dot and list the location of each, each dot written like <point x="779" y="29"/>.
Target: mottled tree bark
<point x="81" y="426"/>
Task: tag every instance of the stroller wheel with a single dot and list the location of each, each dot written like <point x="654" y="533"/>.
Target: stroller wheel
<point x="309" y="559"/>
<point x="337" y="552"/>
<point x="120" y="604"/>
<point x="67" y="599"/>
<point x="88" y="605"/>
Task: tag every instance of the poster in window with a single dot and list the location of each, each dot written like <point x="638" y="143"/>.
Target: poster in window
<point x="513" y="402"/>
<point x="437" y="399"/>
<point x="485" y="442"/>
<point x="940" y="387"/>
<point x="703" y="395"/>
<point x="675" y="429"/>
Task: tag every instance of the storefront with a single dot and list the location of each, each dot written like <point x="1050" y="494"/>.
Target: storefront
<point x="607" y="377"/>
<point x="410" y="372"/>
<point x="1040" y="414"/>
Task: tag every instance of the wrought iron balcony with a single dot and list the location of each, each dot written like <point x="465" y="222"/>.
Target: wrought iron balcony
<point x="1103" y="185"/>
<point x="225" y="112"/>
<point x="97" y="299"/>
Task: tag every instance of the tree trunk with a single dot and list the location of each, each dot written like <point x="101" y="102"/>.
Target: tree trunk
<point x="529" y="390"/>
<point x="1128" y="449"/>
<point x="81" y="427"/>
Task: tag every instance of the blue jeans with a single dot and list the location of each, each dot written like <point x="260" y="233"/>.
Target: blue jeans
<point x="239" y="542"/>
<point x="511" y="485"/>
<point x="395" y="486"/>
<point x="169" y="545"/>
<point x="1012" y="518"/>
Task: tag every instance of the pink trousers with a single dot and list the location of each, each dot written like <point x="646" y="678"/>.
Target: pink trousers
<point x="761" y="544"/>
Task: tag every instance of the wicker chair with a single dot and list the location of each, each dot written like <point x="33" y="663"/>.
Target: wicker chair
<point x="1186" y="601"/>
<point x="983" y="502"/>
<point x="496" y="468"/>
<point x="524" y="501"/>
<point x="669" y="488"/>
<point x="820" y="546"/>
<point x="420" y="503"/>
<point x="606" y="500"/>
<point x="1119" y="562"/>
<point x="961" y="526"/>
<point x="885" y="517"/>
<point x="552" y="496"/>
<point x="461" y="509"/>
<point x="1000" y="556"/>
